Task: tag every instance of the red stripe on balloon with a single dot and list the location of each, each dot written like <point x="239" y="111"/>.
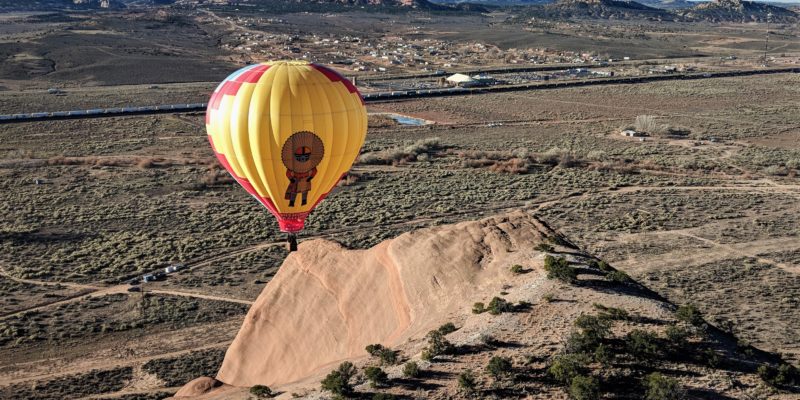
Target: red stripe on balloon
<point x="253" y="75"/>
<point x="334" y="76"/>
<point x="266" y="201"/>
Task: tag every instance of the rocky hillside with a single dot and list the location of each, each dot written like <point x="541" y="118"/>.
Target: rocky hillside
<point x="410" y="4"/>
<point x="499" y="308"/>
<point x="598" y="9"/>
<point x="739" y="11"/>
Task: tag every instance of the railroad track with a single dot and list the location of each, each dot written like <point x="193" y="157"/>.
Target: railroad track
<point x="395" y="95"/>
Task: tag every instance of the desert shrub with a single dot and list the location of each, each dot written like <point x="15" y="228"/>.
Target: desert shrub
<point x="338" y="380"/>
<point x="517" y="269"/>
<point x="568" y="160"/>
<point x="782" y="375"/>
<point x="647" y="124"/>
<point x="597" y="155"/>
<point x="660" y="387"/>
<point x="447" y="328"/>
<point x="513" y="166"/>
<point x="71" y="386"/>
<point x="603" y="266"/>
<point x="593" y="326"/>
<point x="179" y="370"/>
<point x="564" y="367"/>
<point x="383" y="396"/>
<point x="426" y="355"/>
<point x="690" y="314"/>
<point x="466" y="381"/>
<point x="399" y="155"/>
<point x="618" y="277"/>
<point x="376" y="376"/>
<point x="677" y="336"/>
<point x="499" y="367"/>
<point x="261" y="391"/>
<point x="603" y="355"/>
<point x="411" y="370"/>
<point x="381" y="121"/>
<point x="438" y="344"/>
<point x="549" y="297"/>
<point x="579" y="342"/>
<point x="642" y="345"/>
<point x="775" y="170"/>
<point x="711" y="358"/>
<point x="612" y="313"/>
<point x="499" y="305"/>
<point x="385" y="354"/>
<point x="478" y="308"/>
<point x="544" y="247"/>
<point x="584" y="388"/>
<point x="558" y="268"/>
<point x="552" y="156"/>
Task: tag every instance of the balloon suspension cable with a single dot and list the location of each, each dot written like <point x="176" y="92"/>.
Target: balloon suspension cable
<point x="291" y="240"/>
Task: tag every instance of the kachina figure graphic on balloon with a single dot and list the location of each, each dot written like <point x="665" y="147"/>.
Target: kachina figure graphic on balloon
<point x="287" y="131"/>
<point x="301" y="154"/>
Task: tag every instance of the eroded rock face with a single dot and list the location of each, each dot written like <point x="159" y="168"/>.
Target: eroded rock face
<point x="198" y="387"/>
<point x="327" y="303"/>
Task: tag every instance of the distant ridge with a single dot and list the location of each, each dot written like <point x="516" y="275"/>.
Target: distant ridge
<point x="739" y="11"/>
<point x="413" y="4"/>
<point x="599" y="9"/>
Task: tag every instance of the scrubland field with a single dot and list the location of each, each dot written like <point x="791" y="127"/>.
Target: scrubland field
<point x="698" y="220"/>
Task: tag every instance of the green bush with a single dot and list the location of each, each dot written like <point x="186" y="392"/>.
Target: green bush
<point x="567" y="366"/>
<point x="603" y="266"/>
<point x="603" y="355"/>
<point x="579" y="342"/>
<point x="558" y="268"/>
<point x="438" y="345"/>
<point x="642" y="345"/>
<point x="544" y="247"/>
<point x="411" y="370"/>
<point x="690" y="314"/>
<point x="618" y="276"/>
<point x="383" y="396"/>
<point x="660" y="387"/>
<point x="499" y="367"/>
<point x="376" y="376"/>
<point x="466" y="381"/>
<point x="385" y="354"/>
<point x="549" y="297"/>
<point x="499" y="305"/>
<point x="338" y="380"/>
<point x="594" y="327"/>
<point x="517" y="269"/>
<point x="784" y="374"/>
<point x="447" y="328"/>
<point x="584" y="388"/>
<point x="677" y="336"/>
<point x="612" y="313"/>
<point x="478" y="308"/>
<point x="261" y="391"/>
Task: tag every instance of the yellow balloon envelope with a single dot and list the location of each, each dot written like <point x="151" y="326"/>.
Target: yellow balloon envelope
<point x="287" y="131"/>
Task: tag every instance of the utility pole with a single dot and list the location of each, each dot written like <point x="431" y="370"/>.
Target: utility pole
<point x="766" y="40"/>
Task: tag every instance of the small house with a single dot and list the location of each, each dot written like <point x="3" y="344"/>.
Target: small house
<point x="632" y="133"/>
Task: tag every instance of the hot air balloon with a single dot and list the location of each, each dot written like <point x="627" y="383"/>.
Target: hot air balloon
<point x="287" y="131"/>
